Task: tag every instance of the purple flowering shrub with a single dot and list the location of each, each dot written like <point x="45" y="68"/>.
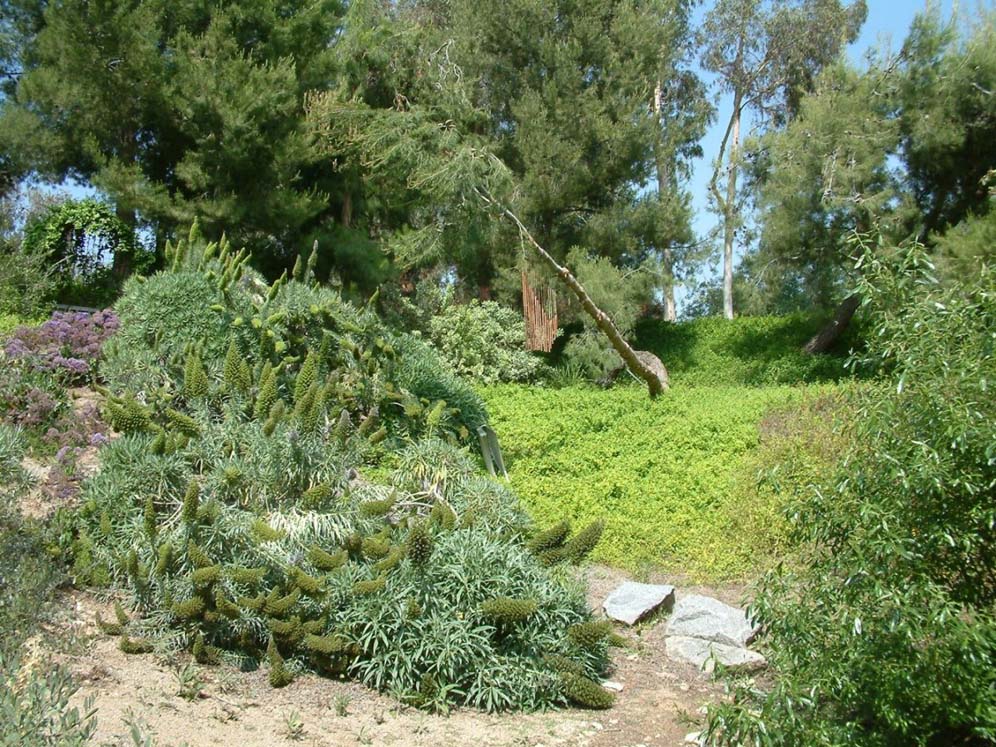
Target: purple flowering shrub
<point x="40" y="363"/>
<point x="30" y="400"/>
<point x="68" y="345"/>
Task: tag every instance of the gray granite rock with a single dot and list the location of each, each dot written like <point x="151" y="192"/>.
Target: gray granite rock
<point x="709" y="619"/>
<point x="632" y="601"/>
<point x="704" y="654"/>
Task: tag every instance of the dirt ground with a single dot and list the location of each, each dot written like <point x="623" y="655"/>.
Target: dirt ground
<point x="661" y="701"/>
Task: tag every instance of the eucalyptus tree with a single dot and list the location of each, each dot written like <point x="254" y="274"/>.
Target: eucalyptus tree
<point x="682" y="112"/>
<point x="765" y="56"/>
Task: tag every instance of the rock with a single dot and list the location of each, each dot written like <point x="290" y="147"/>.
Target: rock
<point x="614" y="686"/>
<point x="693" y="738"/>
<point x="709" y="619"/>
<point x="704" y="654"/>
<point x="632" y="601"/>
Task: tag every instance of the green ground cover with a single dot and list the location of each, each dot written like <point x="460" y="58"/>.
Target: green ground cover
<point x="747" y="351"/>
<point x="687" y="482"/>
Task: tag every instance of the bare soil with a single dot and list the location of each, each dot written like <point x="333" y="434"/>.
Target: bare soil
<point x="661" y="701"/>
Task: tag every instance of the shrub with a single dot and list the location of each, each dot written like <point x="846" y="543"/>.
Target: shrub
<point x="10" y="322"/>
<point x="216" y="542"/>
<point x="619" y="293"/>
<point x="883" y="633"/>
<point x="35" y="709"/>
<point x="40" y="363"/>
<point x="31" y="399"/>
<point x="420" y="370"/>
<point x="27" y="285"/>
<point x="675" y="479"/>
<point x="484" y="342"/>
<point x="159" y="317"/>
<point x="208" y="305"/>
<point x="243" y="532"/>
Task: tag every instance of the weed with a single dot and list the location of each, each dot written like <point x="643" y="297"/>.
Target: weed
<point x="189" y="680"/>
<point x="293" y="726"/>
<point x="341" y="704"/>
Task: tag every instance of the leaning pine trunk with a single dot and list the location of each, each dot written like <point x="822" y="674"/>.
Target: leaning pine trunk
<point x="642" y="363"/>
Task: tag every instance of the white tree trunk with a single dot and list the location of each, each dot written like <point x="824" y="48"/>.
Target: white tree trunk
<point x="730" y="209"/>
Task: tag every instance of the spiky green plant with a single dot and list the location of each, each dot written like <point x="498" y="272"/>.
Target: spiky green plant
<point x="419" y="545"/>
<point x="589" y="634"/>
<point x="307" y="377"/>
<point x="508" y="611"/>
<point x="550" y="538"/>
<point x="584" y="692"/>
<point x="579" y="547"/>
<point x="195" y="379"/>
<point x="268" y="393"/>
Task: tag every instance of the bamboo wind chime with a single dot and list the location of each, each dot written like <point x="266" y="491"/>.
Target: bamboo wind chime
<point x="540" y="310"/>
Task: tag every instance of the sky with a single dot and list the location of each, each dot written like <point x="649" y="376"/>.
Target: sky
<point x="887" y="23"/>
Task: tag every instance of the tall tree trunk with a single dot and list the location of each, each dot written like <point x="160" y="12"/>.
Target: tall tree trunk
<point x="730" y="208"/>
<point x="670" y="310"/>
<point x="122" y="261"/>
<point x="665" y="182"/>
<point x="642" y="363"/>
<point x="826" y="337"/>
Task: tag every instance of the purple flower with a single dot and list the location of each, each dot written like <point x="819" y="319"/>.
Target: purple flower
<point x="99" y="439"/>
<point x="69" y="343"/>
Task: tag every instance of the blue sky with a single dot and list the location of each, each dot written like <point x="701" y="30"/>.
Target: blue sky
<point x="887" y="24"/>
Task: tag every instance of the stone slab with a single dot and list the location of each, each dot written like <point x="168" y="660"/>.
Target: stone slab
<point x="703" y="654"/>
<point x="703" y="617"/>
<point x="630" y="602"/>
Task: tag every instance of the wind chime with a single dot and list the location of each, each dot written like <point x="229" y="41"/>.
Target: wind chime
<point x="540" y="311"/>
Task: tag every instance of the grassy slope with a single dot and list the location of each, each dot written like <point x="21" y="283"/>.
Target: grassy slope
<point x="675" y="479"/>
<point x="749" y="351"/>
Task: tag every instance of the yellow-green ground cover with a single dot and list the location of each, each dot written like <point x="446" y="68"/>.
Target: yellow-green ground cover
<point x="692" y="482"/>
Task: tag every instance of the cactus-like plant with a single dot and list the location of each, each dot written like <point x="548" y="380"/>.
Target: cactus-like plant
<point x="509" y="610"/>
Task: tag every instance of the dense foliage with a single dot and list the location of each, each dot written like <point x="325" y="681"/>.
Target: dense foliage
<point x="832" y="170"/>
<point x="483" y="342"/>
<point x="676" y="479"/>
<point x="90" y="248"/>
<point x="883" y="635"/>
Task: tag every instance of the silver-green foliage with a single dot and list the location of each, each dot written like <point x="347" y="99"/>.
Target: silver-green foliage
<point x="261" y="547"/>
<point x="35" y="710"/>
<point x="484" y="341"/>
